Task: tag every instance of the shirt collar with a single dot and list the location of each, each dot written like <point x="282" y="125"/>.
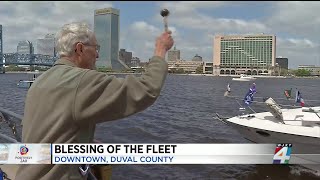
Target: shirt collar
<point x="64" y="61"/>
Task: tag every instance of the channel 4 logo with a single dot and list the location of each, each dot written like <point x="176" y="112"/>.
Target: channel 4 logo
<point x="282" y="154"/>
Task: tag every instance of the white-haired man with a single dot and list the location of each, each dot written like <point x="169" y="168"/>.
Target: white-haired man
<point x="66" y="102"/>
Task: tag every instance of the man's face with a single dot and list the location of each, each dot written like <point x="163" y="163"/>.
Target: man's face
<point x="88" y="54"/>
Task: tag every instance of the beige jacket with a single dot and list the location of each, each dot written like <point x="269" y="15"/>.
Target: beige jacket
<point x="67" y="100"/>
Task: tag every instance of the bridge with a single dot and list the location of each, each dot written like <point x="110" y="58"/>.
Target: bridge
<point x="26" y="59"/>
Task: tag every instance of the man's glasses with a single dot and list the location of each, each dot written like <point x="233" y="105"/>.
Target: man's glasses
<point x="97" y="46"/>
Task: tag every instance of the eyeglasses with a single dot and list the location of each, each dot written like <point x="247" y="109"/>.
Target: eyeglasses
<point x="97" y="46"/>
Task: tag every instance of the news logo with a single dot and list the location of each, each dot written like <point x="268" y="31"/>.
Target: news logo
<point x="24" y="150"/>
<point x="282" y="154"/>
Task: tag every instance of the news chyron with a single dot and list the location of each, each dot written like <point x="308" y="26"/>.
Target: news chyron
<point x="112" y="153"/>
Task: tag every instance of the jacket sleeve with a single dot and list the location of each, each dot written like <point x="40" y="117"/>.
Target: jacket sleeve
<point x="101" y="98"/>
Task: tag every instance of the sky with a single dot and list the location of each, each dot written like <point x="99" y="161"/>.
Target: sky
<point x="193" y="24"/>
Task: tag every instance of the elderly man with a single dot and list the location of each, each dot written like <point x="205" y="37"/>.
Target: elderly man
<point x="66" y="102"/>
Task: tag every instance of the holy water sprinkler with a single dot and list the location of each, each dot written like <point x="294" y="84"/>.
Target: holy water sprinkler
<point x="165" y="13"/>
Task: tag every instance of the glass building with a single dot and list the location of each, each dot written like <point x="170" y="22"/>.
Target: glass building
<point x="106" y="28"/>
<point x="1" y="51"/>
<point x="46" y="46"/>
<point x="244" y="54"/>
<point x="174" y="55"/>
<point x="25" y="47"/>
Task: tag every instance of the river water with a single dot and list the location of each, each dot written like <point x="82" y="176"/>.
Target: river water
<point x="184" y="114"/>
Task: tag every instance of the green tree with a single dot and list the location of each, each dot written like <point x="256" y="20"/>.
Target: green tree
<point x="199" y="69"/>
<point x="180" y="71"/>
<point x="14" y="68"/>
<point x="302" y="72"/>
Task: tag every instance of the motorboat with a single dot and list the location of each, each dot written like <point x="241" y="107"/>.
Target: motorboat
<point x="25" y="83"/>
<point x="244" y="77"/>
<point x="299" y="126"/>
<point x="28" y="83"/>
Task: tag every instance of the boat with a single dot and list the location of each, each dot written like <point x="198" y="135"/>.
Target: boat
<point x="298" y="126"/>
<point x="28" y="83"/>
<point x="244" y="77"/>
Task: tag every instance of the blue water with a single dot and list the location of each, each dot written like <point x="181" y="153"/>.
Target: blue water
<point x="183" y="114"/>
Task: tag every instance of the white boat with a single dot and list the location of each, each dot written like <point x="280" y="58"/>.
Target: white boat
<point x="299" y="126"/>
<point x="244" y="77"/>
<point x="28" y="83"/>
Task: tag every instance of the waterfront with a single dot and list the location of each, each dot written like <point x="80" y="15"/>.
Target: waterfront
<point x="183" y="114"/>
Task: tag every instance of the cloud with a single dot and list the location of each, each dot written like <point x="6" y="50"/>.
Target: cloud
<point x="298" y="51"/>
<point x="297" y="18"/>
<point x="33" y="20"/>
<point x="200" y="28"/>
<point x="193" y="24"/>
<point x="140" y="38"/>
<point x="294" y="24"/>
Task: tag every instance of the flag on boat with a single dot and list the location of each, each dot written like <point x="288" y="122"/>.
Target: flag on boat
<point x="249" y="96"/>
<point x="299" y="98"/>
<point x="302" y="102"/>
<point x="228" y="90"/>
<point x="287" y="93"/>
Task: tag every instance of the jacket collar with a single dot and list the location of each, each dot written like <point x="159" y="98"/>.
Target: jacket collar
<point x="64" y="61"/>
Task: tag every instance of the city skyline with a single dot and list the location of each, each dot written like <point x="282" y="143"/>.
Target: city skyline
<point x="194" y="24"/>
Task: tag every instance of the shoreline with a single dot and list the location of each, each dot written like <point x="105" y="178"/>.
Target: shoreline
<point x="208" y="75"/>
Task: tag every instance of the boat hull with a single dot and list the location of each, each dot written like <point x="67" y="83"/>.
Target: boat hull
<point x="24" y="84"/>
<point x="241" y="79"/>
<point x="300" y="144"/>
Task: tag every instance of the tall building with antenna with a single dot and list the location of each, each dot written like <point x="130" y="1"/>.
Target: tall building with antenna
<point x="1" y="51"/>
<point x="107" y="30"/>
<point x="173" y="55"/>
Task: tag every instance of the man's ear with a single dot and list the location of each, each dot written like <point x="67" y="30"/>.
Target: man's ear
<point x="79" y="47"/>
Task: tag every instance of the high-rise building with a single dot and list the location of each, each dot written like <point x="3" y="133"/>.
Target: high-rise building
<point x="1" y="48"/>
<point x="174" y="55"/>
<point x="135" y="61"/>
<point x="106" y="28"/>
<point x="125" y="56"/>
<point x="46" y="46"/>
<point x="1" y="51"/>
<point x="282" y="62"/>
<point x="25" y="47"/>
<point x="239" y="54"/>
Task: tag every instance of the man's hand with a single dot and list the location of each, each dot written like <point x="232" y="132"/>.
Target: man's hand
<point x="163" y="44"/>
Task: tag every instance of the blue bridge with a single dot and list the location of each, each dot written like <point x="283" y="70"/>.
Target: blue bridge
<point x="26" y="59"/>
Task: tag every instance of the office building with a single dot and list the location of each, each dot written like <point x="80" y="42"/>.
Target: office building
<point x="1" y="48"/>
<point x="25" y="47"/>
<point x="135" y="62"/>
<point x="207" y="67"/>
<point x="197" y="58"/>
<point x="314" y="70"/>
<point x="282" y="62"/>
<point x="46" y="46"/>
<point x="174" y="55"/>
<point x="106" y="28"/>
<point x="1" y="52"/>
<point x="187" y="66"/>
<point x="244" y="54"/>
<point x="125" y="57"/>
